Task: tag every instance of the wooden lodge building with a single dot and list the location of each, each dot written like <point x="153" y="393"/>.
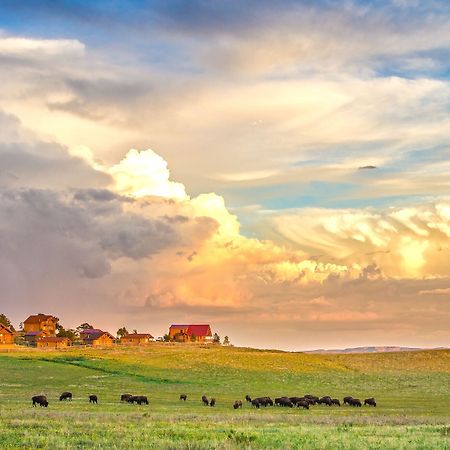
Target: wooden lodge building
<point x="190" y="333"/>
<point x="6" y="335"/>
<point x="137" y="339"/>
<point x="96" y="338"/>
<point x="39" y="326"/>
<point x="53" y="342"/>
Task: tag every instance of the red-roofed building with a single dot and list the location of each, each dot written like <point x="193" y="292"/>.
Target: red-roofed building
<point x="44" y="324"/>
<point x="190" y="333"/>
<point x="96" y="338"/>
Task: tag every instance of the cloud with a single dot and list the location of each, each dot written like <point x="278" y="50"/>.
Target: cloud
<point x="38" y="48"/>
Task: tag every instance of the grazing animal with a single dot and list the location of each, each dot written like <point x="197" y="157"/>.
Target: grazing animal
<point x="205" y="400"/>
<point x="370" y="401"/>
<point x="312" y="399"/>
<point x="265" y="401"/>
<point x="65" y="396"/>
<point x="125" y="397"/>
<point x="40" y="400"/>
<point x="284" y="401"/>
<point x="325" y="401"/>
<point x="347" y="400"/>
<point x="183" y="397"/>
<point x="303" y="404"/>
<point x="93" y="399"/>
<point x="295" y="400"/>
<point x="237" y="404"/>
<point x="336" y="401"/>
<point x="212" y="402"/>
<point x="139" y="399"/>
<point x="355" y="402"/>
<point x="255" y="403"/>
<point x="248" y="398"/>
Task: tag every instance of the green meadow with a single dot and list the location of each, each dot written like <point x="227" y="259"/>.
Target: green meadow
<point x="412" y="390"/>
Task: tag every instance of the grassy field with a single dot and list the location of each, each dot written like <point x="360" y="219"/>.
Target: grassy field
<point x="412" y="391"/>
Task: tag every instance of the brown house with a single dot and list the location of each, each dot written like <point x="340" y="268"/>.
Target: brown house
<point x="53" y="342"/>
<point x="40" y="323"/>
<point x="96" y="338"/>
<point x="6" y="335"/>
<point x="136" y="339"/>
<point x="190" y="333"/>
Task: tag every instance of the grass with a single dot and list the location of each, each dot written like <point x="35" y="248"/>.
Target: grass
<point x="412" y="391"/>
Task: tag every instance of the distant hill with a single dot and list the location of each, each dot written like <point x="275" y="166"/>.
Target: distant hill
<point x="370" y="350"/>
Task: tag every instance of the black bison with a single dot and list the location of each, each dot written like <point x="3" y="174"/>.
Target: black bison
<point x="264" y="401"/>
<point x="355" y="402"/>
<point x="212" y="402"/>
<point x="255" y="403"/>
<point x="336" y="401"/>
<point x="325" y="401"/>
<point x="205" y="400"/>
<point x="347" y="400"/>
<point x="284" y="401"/>
<point x="303" y="404"/>
<point x="248" y="398"/>
<point x="125" y="397"/>
<point x="237" y="404"/>
<point x="93" y="399"/>
<point x="139" y="399"/>
<point x="312" y="399"/>
<point x="183" y="397"/>
<point x="370" y="401"/>
<point x="65" y="396"/>
<point x="40" y="400"/>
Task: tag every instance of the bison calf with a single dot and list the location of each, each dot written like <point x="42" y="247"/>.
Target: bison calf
<point x="237" y="404"/>
<point x="212" y="402"/>
<point x="93" y="399"/>
<point x="248" y="398"/>
<point x="183" y="397"/>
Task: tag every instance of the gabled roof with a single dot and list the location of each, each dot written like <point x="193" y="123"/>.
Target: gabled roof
<point x="137" y="336"/>
<point x="4" y="328"/>
<point x="38" y="318"/>
<point x="90" y="331"/>
<point x="96" y="334"/>
<point x="197" y="330"/>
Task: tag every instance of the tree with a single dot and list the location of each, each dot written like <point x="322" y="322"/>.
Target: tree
<point x="84" y="326"/>
<point x="70" y="333"/>
<point x="5" y="321"/>
<point x="166" y="338"/>
<point x="226" y="340"/>
<point x="121" y="332"/>
<point x="135" y="332"/>
<point x="216" y="338"/>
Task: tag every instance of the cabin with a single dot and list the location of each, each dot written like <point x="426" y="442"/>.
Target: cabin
<point x="6" y="335"/>
<point x="96" y="338"/>
<point x="190" y="333"/>
<point x="137" y="339"/>
<point x="52" y="342"/>
<point x="40" y="323"/>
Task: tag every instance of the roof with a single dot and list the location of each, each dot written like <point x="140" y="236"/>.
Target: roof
<point x="137" y="336"/>
<point x="38" y="318"/>
<point x="33" y="333"/>
<point x="96" y="334"/>
<point x="5" y="328"/>
<point x="197" y="330"/>
<point x="53" y="339"/>
<point x="90" y="331"/>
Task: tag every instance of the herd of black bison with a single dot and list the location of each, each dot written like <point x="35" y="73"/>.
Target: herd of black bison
<point x="289" y="402"/>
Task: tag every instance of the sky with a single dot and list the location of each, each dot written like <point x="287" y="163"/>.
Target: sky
<point x="278" y="169"/>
